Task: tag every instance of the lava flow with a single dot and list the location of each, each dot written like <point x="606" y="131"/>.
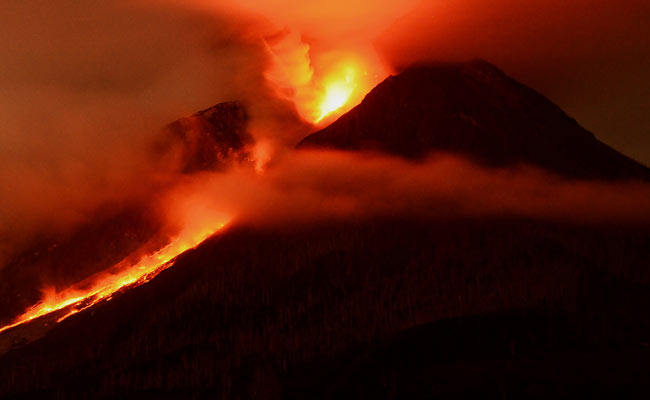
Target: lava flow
<point x="102" y="286"/>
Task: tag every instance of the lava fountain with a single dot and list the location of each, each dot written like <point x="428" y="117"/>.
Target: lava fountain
<point x="339" y="87"/>
<point x="321" y="84"/>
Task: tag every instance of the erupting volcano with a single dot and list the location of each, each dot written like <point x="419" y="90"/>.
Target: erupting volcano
<point x="325" y="199"/>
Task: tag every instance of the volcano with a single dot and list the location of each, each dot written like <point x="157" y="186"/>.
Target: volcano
<point x="383" y="307"/>
<point x="475" y="110"/>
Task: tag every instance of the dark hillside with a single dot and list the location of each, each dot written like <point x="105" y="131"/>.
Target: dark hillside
<point x="369" y="309"/>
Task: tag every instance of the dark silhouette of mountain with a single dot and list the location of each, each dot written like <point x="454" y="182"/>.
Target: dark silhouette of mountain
<point x="392" y="308"/>
<point x="473" y="109"/>
<point x="210" y="139"/>
<point x="64" y="259"/>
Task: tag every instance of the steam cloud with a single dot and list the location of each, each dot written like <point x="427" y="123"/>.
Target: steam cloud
<point x="317" y="186"/>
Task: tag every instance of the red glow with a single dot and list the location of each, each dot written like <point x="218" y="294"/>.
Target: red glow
<point x="322" y="84"/>
<point x="104" y="285"/>
<point x="339" y="88"/>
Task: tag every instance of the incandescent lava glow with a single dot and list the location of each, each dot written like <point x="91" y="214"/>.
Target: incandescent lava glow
<point x="128" y="273"/>
<point x="322" y="84"/>
<point x="338" y="90"/>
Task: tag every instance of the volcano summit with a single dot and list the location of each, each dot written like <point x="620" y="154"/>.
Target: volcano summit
<point x="475" y="110"/>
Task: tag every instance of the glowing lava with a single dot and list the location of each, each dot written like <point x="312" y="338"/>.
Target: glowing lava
<point x="321" y="83"/>
<point x="338" y="90"/>
<point x="128" y="273"/>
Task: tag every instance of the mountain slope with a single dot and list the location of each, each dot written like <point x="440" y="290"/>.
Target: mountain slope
<point x="209" y="139"/>
<point x="476" y="110"/>
<point x="366" y="309"/>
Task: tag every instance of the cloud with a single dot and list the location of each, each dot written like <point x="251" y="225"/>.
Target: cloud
<point x="316" y="186"/>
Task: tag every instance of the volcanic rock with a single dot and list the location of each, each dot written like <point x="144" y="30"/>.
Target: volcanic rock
<point x="210" y="139"/>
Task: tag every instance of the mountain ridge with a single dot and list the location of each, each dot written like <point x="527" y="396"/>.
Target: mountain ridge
<point x="475" y="110"/>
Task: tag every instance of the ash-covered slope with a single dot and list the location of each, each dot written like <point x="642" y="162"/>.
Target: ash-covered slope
<point x="476" y="110"/>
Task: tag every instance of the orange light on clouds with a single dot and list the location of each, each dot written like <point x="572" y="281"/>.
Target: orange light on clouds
<point x="321" y="84"/>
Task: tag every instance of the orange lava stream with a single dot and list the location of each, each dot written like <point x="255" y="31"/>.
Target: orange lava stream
<point x="103" y="285"/>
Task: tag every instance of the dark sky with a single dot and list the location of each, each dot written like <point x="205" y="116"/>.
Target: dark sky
<point x="591" y="57"/>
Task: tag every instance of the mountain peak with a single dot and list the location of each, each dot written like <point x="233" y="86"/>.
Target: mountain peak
<point x="211" y="138"/>
<point x="476" y="110"/>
